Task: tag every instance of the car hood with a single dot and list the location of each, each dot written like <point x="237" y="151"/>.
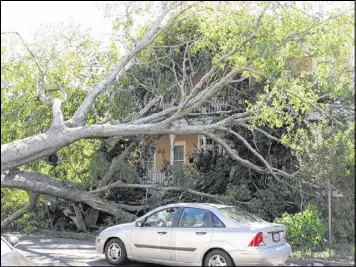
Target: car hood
<point x="118" y="227"/>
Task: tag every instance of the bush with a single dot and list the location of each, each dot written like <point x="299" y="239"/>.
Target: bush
<point x="343" y="221"/>
<point x="305" y="230"/>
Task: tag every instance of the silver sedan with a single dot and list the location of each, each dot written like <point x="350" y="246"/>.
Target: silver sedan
<point x="196" y="234"/>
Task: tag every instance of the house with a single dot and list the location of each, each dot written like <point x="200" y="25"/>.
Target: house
<point x="176" y="150"/>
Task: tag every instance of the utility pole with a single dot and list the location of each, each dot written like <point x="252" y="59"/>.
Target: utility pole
<point x="329" y="200"/>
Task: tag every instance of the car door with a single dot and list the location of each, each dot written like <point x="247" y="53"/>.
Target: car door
<point x="191" y="236"/>
<point x="151" y="240"/>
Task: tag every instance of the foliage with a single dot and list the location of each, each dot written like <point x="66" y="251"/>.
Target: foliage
<point x="329" y="159"/>
<point x="305" y="229"/>
<point x="11" y="201"/>
<point x="343" y="221"/>
<point x="70" y="56"/>
<point x="185" y="176"/>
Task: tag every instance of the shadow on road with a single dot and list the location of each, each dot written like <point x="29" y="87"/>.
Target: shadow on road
<point x="64" y="252"/>
<point x="130" y="263"/>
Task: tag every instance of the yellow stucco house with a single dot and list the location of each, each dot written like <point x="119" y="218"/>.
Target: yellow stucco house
<point x="177" y="149"/>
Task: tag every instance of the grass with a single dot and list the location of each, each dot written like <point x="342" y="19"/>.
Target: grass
<point x="339" y="252"/>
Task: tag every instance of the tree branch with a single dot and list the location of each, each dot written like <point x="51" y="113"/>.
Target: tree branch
<point x="79" y="116"/>
<point x="45" y="185"/>
<point x="119" y="184"/>
<point x="31" y="204"/>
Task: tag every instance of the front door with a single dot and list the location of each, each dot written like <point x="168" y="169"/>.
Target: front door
<point x="192" y="236"/>
<point x="151" y="240"/>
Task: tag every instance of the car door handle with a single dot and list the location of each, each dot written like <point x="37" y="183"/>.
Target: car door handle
<point x="162" y="233"/>
<point x="200" y="233"/>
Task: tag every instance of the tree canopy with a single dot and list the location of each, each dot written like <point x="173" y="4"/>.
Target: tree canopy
<point x="68" y="96"/>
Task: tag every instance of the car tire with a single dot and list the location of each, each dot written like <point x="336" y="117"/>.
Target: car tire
<point x="219" y="256"/>
<point x="115" y="252"/>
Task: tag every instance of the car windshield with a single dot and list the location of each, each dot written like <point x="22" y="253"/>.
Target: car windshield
<point x="240" y="215"/>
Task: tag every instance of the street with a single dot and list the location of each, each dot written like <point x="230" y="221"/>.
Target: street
<point x="50" y="251"/>
<point x="63" y="252"/>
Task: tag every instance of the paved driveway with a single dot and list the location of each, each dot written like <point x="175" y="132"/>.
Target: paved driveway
<point x="63" y="252"/>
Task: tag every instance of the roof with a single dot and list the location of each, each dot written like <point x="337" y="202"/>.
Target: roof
<point x="195" y="205"/>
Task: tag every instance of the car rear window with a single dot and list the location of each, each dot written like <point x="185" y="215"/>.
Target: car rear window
<point x="240" y="215"/>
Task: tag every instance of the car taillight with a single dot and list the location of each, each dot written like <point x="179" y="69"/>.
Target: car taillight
<point x="257" y="240"/>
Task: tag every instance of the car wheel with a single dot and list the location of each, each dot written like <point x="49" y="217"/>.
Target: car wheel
<point x="115" y="252"/>
<point x="218" y="257"/>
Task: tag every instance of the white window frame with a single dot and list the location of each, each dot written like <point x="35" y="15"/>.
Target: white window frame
<point x="154" y="159"/>
<point x="184" y="144"/>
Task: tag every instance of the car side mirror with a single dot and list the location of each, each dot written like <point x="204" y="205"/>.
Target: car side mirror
<point x="138" y="224"/>
<point x="13" y="240"/>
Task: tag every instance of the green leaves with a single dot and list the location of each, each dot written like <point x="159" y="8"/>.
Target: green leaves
<point x="305" y="229"/>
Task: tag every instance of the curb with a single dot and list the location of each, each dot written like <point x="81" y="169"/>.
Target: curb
<point x="317" y="262"/>
<point x="59" y="234"/>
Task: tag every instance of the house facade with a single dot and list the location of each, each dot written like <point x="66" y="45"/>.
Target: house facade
<point x="177" y="150"/>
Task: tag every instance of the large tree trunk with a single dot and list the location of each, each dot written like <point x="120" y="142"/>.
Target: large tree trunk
<point x="32" y="200"/>
<point x="46" y="185"/>
<point x="26" y="150"/>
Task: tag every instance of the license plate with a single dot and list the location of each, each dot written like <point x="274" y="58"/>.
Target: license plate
<point x="275" y="237"/>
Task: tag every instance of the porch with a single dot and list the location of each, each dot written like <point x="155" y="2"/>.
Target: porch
<point x="153" y="177"/>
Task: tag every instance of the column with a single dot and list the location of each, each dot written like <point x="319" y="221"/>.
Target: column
<point x="171" y="139"/>
<point x="171" y="154"/>
<point x="204" y="143"/>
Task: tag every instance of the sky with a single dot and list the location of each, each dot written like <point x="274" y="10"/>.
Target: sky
<point x="26" y="17"/>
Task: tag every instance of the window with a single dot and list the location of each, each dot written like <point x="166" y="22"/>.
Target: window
<point x="148" y="156"/>
<point x="209" y="141"/>
<point x="195" y="218"/>
<point x="163" y="218"/>
<point x="240" y="215"/>
<point x="149" y="163"/>
<point x="178" y="155"/>
<point x="216" y="222"/>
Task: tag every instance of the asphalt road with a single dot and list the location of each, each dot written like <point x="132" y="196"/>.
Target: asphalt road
<point x="49" y="251"/>
<point x="63" y="252"/>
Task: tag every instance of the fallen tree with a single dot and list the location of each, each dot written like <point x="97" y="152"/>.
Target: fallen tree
<point x="235" y="55"/>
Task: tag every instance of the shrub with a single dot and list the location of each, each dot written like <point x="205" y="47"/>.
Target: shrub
<point x="305" y="229"/>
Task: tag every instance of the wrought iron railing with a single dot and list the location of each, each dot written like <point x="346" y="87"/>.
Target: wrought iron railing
<point x="213" y="106"/>
<point x="153" y="177"/>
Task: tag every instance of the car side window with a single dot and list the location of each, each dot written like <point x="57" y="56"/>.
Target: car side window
<point x="217" y="223"/>
<point x="162" y="218"/>
<point x="195" y="218"/>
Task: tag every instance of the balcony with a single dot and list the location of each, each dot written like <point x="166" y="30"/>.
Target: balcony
<point x="217" y="104"/>
<point x="154" y="177"/>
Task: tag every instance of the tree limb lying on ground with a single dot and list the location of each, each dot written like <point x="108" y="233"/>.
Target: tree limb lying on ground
<point x="257" y="51"/>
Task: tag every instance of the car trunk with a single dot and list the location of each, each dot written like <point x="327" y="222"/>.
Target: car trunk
<point x="273" y="234"/>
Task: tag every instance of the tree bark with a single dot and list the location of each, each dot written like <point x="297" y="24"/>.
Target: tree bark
<point x="32" y="200"/>
<point x="77" y="217"/>
<point x="46" y="185"/>
<point x="26" y="150"/>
